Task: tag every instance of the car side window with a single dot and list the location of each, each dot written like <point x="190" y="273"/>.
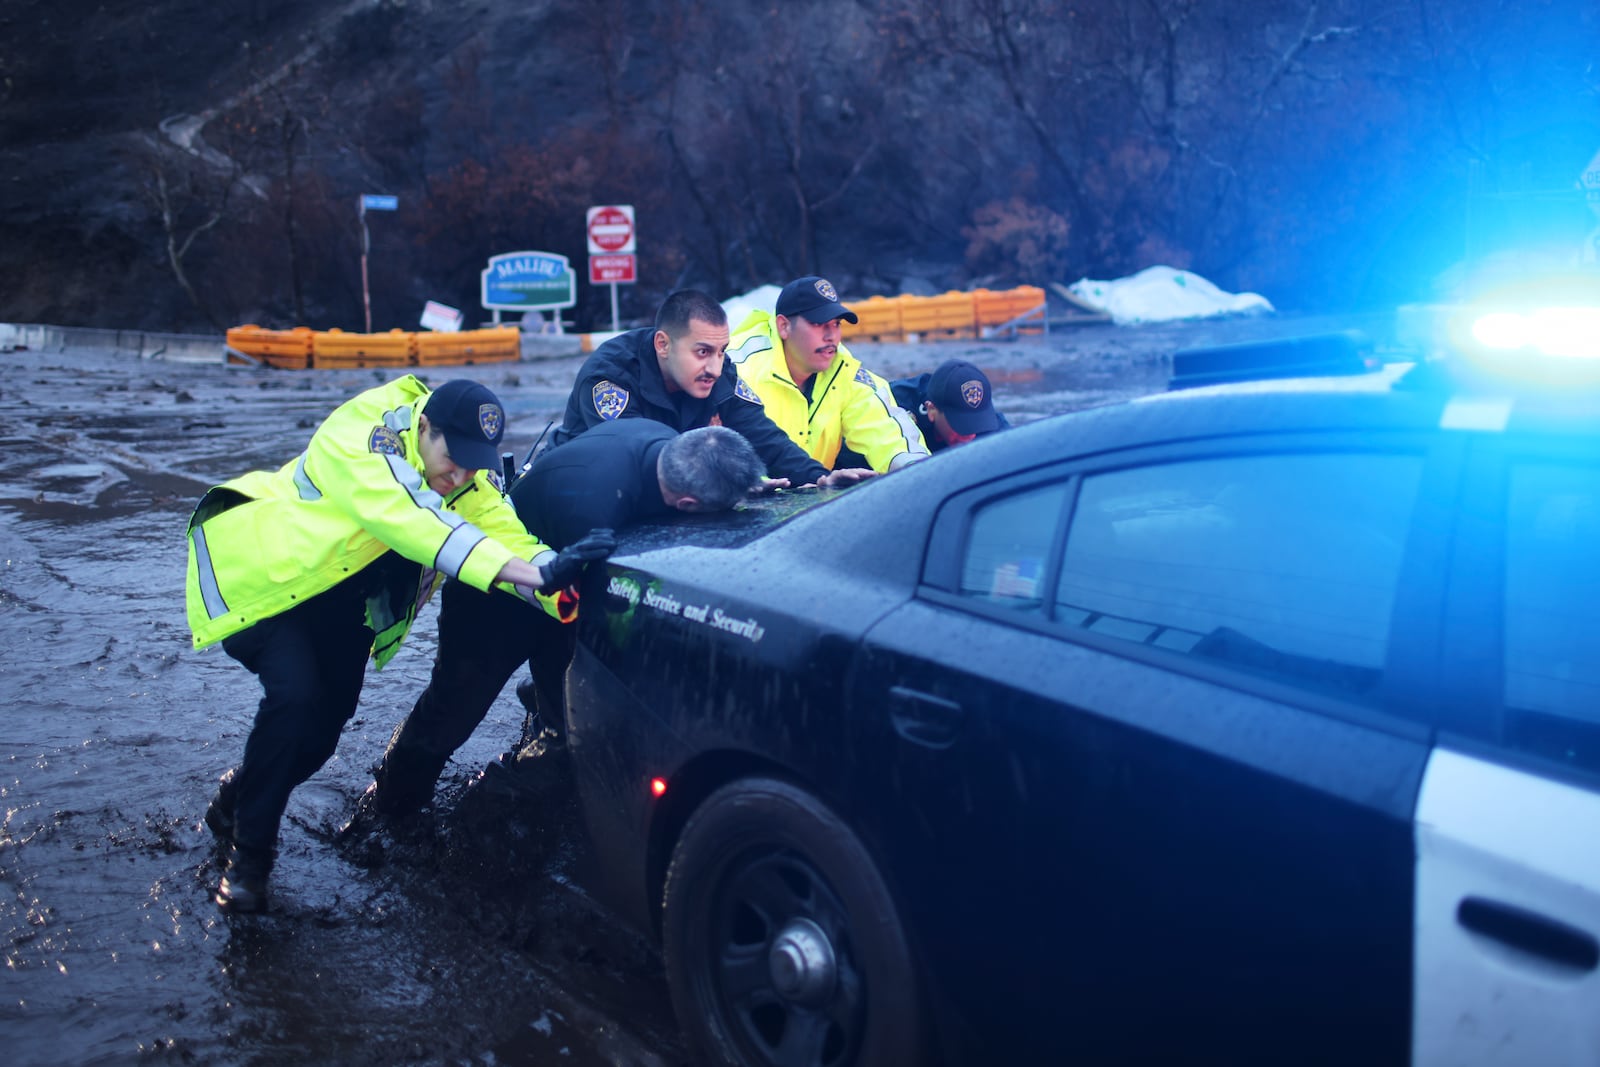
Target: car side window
<point x="1552" y="613"/>
<point x="1277" y="565"/>
<point x="1008" y="545"/>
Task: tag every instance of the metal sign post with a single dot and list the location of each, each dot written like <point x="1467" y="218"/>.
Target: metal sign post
<point x="373" y="202"/>
<point x="611" y="235"/>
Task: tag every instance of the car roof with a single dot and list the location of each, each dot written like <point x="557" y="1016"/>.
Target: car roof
<point x="875" y="522"/>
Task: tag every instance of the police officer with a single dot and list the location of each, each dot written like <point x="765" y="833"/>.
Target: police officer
<point x="813" y="388"/>
<point x="675" y="374"/>
<point x="611" y="476"/>
<point x="953" y="404"/>
<point x="303" y="572"/>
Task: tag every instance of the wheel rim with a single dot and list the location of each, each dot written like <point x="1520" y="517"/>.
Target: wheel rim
<point x="782" y="972"/>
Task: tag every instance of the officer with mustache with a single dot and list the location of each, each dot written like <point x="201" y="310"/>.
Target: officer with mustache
<point x="675" y="373"/>
<point x="813" y="388"/>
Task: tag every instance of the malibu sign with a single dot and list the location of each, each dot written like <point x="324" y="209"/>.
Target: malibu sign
<point x="529" y="281"/>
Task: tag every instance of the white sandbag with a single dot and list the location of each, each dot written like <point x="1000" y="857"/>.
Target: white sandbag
<point x="1162" y="294"/>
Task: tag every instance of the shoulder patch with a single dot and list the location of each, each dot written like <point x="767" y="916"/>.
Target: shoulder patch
<point x="610" y="399"/>
<point x="865" y="378"/>
<point x="744" y="392"/>
<point x="387" y="442"/>
<point x="496" y="480"/>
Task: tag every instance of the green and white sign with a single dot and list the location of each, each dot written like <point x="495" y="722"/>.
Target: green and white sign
<point x="529" y="281"/>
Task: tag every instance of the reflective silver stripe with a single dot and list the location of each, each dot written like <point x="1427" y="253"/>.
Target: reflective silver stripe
<point x="453" y="553"/>
<point x="464" y="536"/>
<point x="398" y="420"/>
<point x="210" y="595"/>
<point x="756" y="342"/>
<point x="903" y="419"/>
<point x="302" y="481"/>
<point x="421" y="495"/>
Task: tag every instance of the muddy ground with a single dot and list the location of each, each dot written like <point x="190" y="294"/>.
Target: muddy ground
<point x="466" y="940"/>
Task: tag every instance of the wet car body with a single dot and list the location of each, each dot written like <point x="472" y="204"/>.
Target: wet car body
<point x="1201" y="728"/>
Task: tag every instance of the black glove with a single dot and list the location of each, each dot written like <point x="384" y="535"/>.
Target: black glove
<point x="568" y="565"/>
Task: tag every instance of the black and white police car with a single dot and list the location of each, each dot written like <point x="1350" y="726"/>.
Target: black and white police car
<point x="1247" y="723"/>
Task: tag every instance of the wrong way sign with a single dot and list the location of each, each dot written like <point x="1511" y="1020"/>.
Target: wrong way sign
<point x="612" y="269"/>
<point x="610" y="229"/>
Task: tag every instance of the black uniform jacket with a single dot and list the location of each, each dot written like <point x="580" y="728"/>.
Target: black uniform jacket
<point x="605" y="477"/>
<point x="622" y="380"/>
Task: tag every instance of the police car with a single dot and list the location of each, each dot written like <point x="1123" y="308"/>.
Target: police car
<point x="1254" y="722"/>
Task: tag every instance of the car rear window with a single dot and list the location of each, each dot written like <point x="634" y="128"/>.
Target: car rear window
<point x="1008" y="548"/>
<point x="1552" y="613"/>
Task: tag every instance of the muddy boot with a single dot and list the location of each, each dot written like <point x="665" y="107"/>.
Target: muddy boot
<point x="219" y="813"/>
<point x="244" y="884"/>
<point x="542" y="726"/>
<point x="391" y="803"/>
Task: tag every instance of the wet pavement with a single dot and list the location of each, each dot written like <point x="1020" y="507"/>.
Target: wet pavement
<point x="465" y="938"/>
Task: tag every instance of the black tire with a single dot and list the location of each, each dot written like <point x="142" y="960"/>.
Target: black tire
<point x="764" y="876"/>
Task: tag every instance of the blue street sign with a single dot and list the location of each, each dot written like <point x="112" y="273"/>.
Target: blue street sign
<point x="377" y="202"/>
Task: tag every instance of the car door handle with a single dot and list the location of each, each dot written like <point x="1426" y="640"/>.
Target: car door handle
<point x="1530" y="932"/>
<point x="925" y="719"/>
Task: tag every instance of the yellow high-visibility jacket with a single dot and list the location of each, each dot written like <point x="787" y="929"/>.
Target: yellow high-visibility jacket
<point x="849" y="404"/>
<point x="266" y="541"/>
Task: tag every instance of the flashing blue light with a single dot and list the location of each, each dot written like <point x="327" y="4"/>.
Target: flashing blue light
<point x="1568" y="332"/>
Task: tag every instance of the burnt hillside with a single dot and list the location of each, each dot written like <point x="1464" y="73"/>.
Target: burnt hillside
<point x="181" y="165"/>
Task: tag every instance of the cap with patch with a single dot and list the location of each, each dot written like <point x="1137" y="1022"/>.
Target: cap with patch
<point x="472" y="421"/>
<point x="962" y="393"/>
<point x="814" y="298"/>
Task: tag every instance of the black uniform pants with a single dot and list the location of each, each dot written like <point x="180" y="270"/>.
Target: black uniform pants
<point x="483" y="639"/>
<point x="311" y="661"/>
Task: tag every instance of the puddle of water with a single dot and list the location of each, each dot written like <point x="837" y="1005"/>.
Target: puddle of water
<point x="115" y="732"/>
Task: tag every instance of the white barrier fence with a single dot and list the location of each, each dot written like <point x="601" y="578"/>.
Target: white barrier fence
<point x="180" y="347"/>
<point x="201" y="348"/>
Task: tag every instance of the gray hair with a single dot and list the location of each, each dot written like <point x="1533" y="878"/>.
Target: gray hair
<point x="713" y="464"/>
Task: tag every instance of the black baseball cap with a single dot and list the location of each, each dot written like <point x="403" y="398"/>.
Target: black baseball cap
<point x="815" y="298"/>
<point x="472" y="421"/>
<point x="961" y="391"/>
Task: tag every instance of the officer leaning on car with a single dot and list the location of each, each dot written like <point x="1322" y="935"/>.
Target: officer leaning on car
<point x="675" y="373"/>
<point x="814" y="389"/>
<point x="303" y="572"/>
<point x="953" y="404"/>
<point x="611" y="476"/>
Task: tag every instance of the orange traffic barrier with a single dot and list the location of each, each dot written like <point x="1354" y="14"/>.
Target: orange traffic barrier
<point x="276" y="348"/>
<point x="879" y="320"/>
<point x="335" y="348"/>
<point x="501" y="344"/>
<point x="1005" y="307"/>
<point x="938" y="317"/>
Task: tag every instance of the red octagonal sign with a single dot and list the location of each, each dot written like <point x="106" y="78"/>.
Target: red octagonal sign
<point x="611" y="228"/>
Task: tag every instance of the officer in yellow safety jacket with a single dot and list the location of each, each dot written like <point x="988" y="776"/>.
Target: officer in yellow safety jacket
<point x="814" y="389"/>
<point x="303" y="572"/>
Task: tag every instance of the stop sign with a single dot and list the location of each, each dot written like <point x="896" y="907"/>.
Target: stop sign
<point x="611" y="228"/>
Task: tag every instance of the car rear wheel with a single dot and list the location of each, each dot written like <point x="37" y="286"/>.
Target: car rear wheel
<point x="783" y="946"/>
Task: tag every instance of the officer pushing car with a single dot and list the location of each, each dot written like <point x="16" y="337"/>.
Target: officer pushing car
<point x="676" y="373"/>
<point x="303" y="572"/>
<point x="814" y="389"/>
<point x="611" y="476"/>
